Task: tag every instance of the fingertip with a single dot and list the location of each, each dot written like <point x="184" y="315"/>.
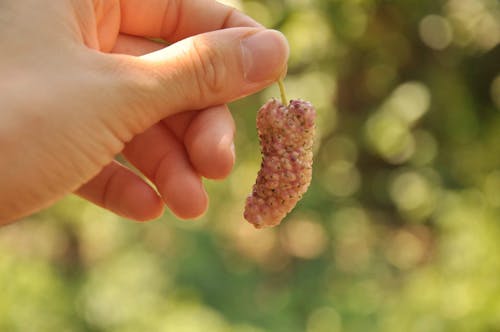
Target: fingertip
<point x="209" y="142"/>
<point x="141" y="203"/>
<point x="186" y="197"/>
<point x="225" y="158"/>
<point x="265" y="55"/>
<point x="214" y="161"/>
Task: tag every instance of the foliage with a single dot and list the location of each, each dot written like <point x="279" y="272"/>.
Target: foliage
<point x="400" y="230"/>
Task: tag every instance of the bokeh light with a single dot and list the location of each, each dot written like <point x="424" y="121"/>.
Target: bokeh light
<point x="436" y="32"/>
<point x="476" y="23"/>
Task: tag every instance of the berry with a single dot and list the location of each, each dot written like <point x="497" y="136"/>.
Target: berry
<point x="286" y="137"/>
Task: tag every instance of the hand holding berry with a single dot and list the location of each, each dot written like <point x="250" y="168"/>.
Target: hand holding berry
<point x="81" y="83"/>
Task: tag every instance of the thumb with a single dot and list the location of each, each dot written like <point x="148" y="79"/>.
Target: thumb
<point x="204" y="70"/>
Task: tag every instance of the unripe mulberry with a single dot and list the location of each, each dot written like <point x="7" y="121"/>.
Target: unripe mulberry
<point x="286" y="137"/>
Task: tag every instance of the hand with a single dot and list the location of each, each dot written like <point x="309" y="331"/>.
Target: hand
<point x="81" y="83"/>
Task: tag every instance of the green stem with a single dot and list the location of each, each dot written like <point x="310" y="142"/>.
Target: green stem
<point x="284" y="99"/>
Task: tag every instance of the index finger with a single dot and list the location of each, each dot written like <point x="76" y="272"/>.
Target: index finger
<point x="173" y="20"/>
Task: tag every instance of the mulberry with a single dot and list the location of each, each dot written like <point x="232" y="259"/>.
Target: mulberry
<point x="286" y="137"/>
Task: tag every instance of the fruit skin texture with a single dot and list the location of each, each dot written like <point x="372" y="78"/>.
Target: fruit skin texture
<point x="286" y="136"/>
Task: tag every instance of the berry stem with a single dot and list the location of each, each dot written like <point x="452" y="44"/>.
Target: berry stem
<point x="284" y="99"/>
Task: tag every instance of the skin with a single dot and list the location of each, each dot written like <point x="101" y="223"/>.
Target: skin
<point x="81" y="84"/>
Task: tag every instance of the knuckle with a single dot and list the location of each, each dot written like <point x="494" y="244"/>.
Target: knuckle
<point x="209" y="68"/>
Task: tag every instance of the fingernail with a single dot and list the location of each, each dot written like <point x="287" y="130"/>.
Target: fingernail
<point x="265" y="54"/>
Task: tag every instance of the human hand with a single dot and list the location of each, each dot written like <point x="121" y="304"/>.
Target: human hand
<point x="76" y="90"/>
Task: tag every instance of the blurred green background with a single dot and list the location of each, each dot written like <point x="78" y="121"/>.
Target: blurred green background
<point x="400" y="230"/>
